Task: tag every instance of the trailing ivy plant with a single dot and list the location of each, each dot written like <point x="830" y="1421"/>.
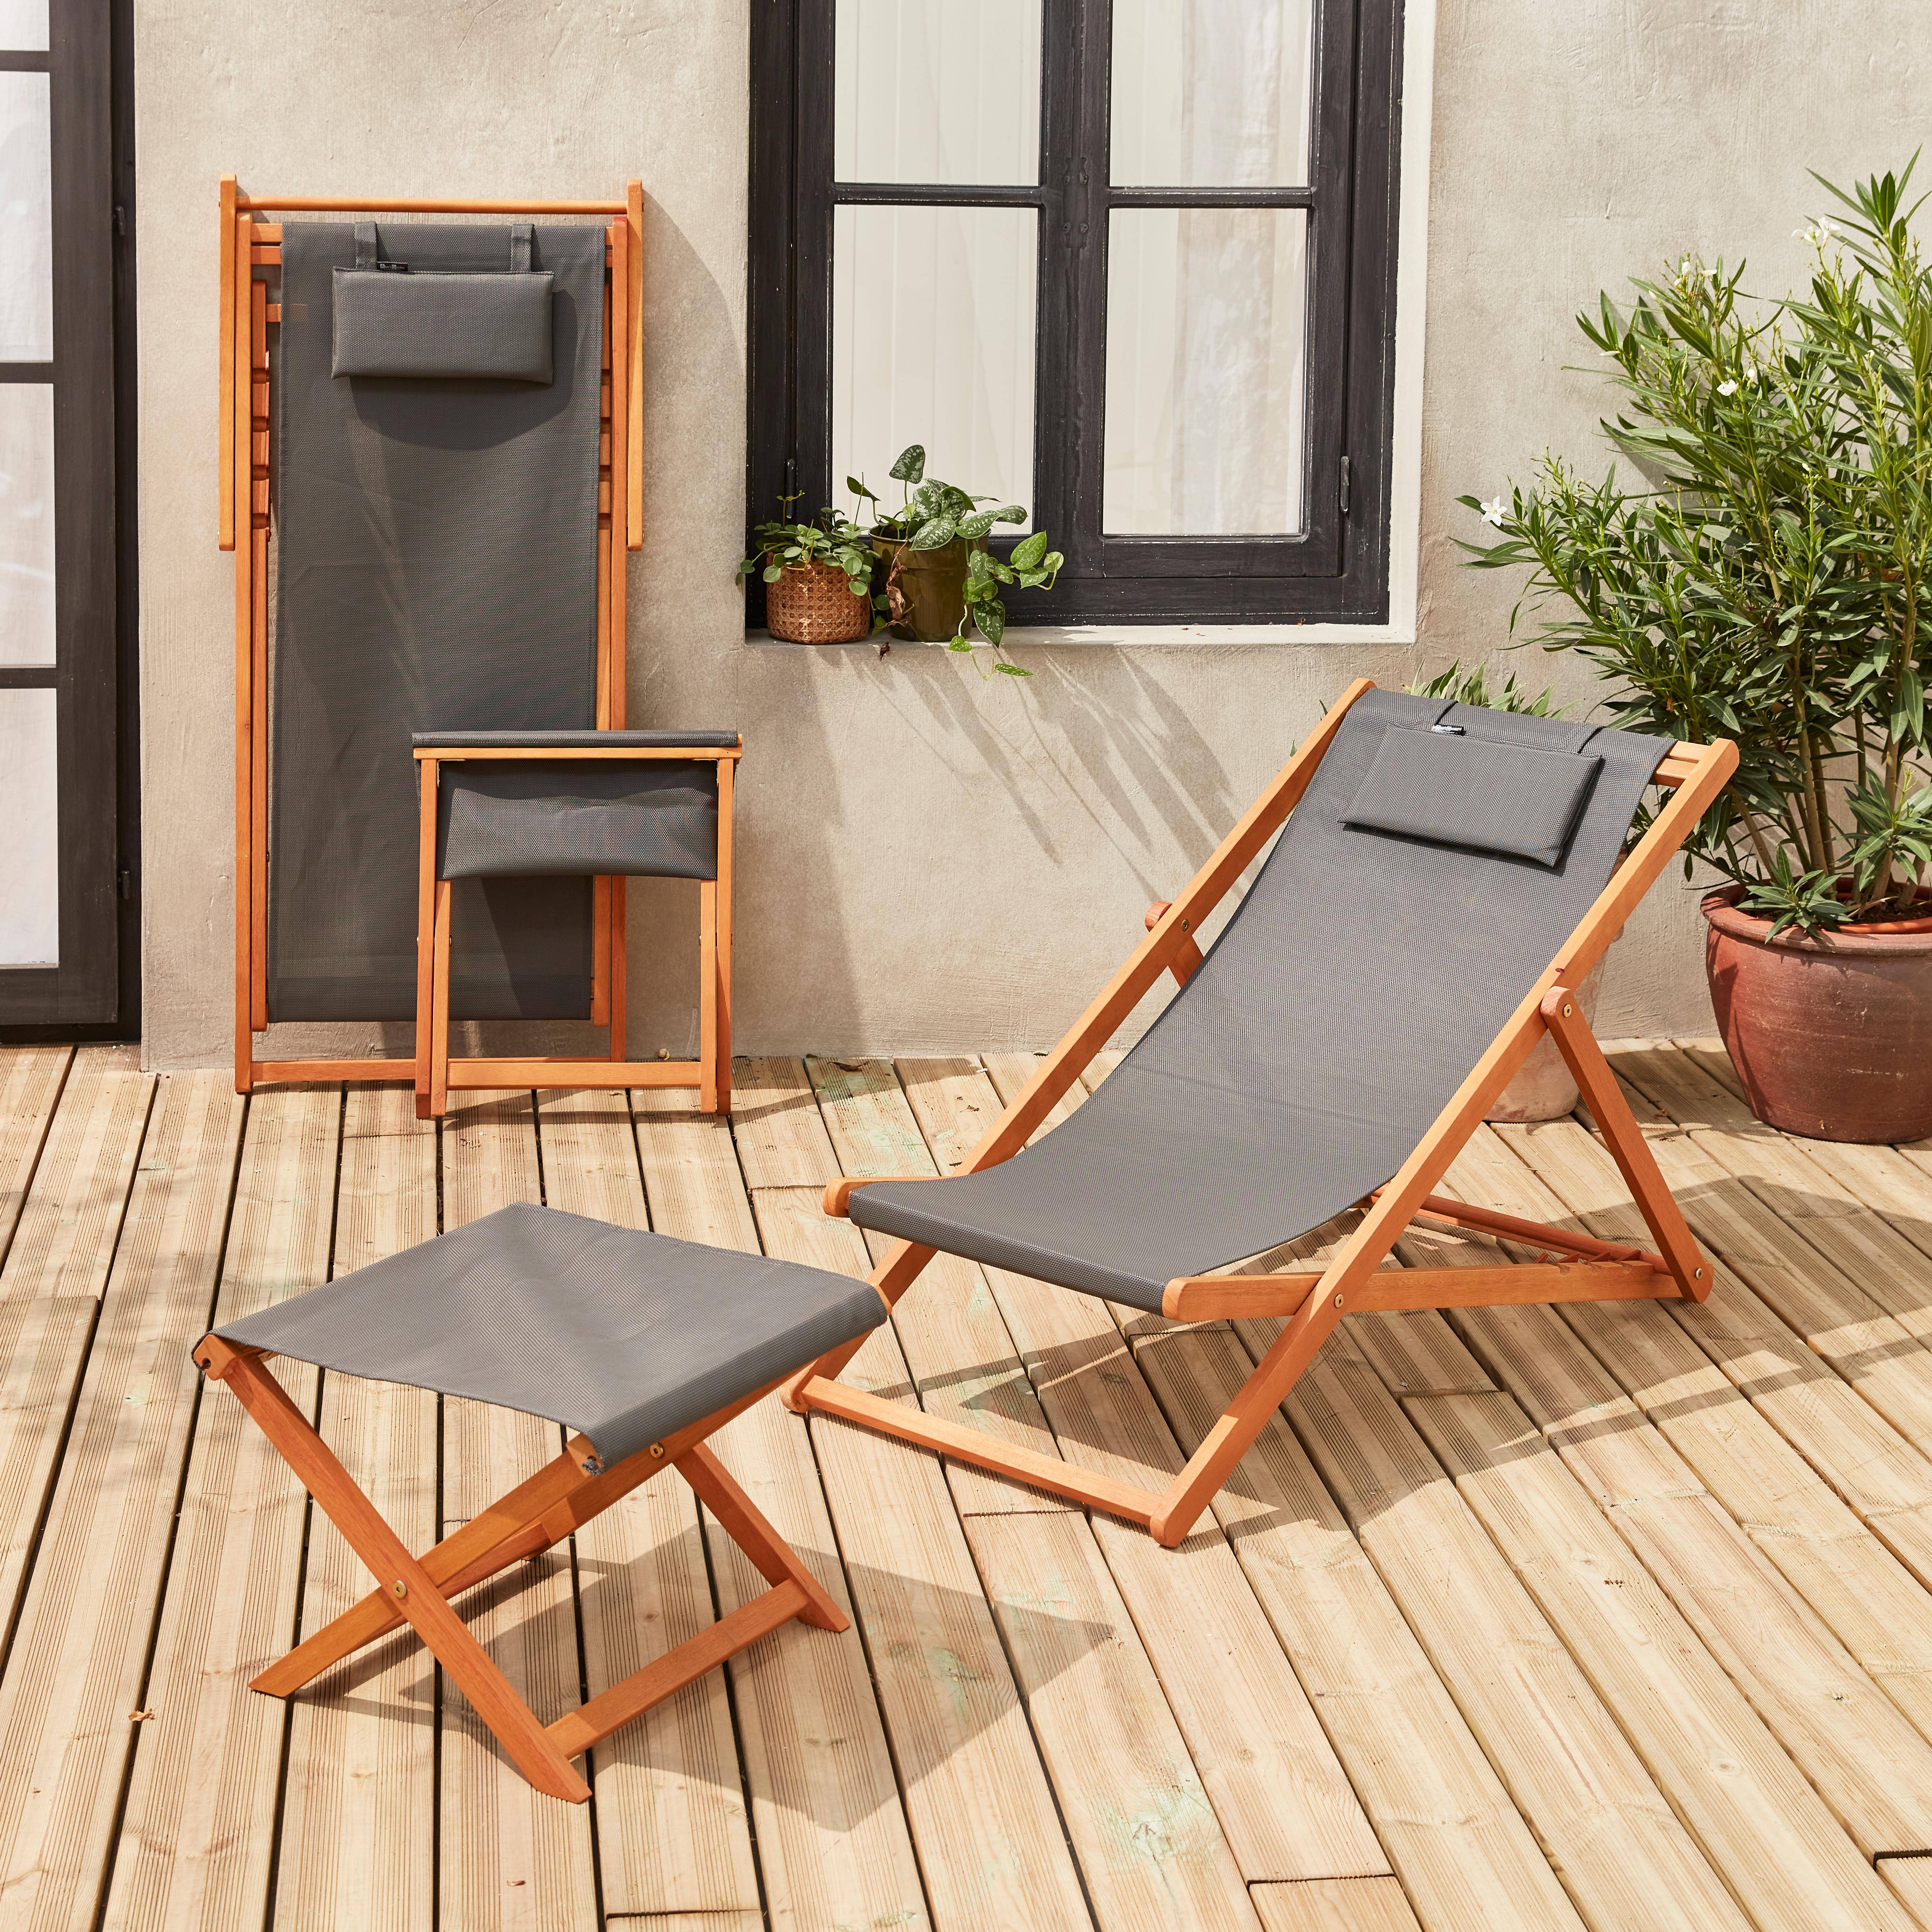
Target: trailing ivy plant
<point x="1770" y="579"/>
<point x="933" y="514"/>
<point x="833" y="539"/>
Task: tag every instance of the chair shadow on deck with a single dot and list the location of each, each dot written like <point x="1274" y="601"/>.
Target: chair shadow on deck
<point x="537" y="1645"/>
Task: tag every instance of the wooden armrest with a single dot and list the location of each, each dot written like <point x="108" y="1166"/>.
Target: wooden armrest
<point x="838" y="1193"/>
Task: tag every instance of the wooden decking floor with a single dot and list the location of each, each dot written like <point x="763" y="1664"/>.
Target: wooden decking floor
<point x="1612" y="1617"/>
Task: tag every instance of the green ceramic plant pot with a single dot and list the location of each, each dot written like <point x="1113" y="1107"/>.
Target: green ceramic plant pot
<point x="925" y="590"/>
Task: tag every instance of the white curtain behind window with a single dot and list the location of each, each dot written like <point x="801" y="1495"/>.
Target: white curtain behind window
<point x="1206" y="307"/>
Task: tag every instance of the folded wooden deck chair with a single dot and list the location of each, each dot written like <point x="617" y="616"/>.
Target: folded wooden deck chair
<point x="1441" y="888"/>
<point x="641" y="1345"/>
<point x="439" y="427"/>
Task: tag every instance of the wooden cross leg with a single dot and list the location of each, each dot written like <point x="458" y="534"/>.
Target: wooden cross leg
<point x="560" y="1497"/>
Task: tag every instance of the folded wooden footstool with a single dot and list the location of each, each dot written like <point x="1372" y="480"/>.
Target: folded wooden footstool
<point x="640" y="1345"/>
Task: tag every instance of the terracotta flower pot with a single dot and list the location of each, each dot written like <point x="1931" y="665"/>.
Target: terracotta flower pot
<point x="1543" y="1089"/>
<point x="925" y="590"/>
<point x="813" y="603"/>
<point x="1831" y="1033"/>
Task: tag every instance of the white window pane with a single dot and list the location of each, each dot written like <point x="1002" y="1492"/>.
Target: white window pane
<point x="1211" y="93"/>
<point x="1206" y="310"/>
<point x="936" y="91"/>
<point x="30" y="880"/>
<point x="26" y="523"/>
<point x="23" y="26"/>
<point x="26" y="221"/>
<point x="932" y="342"/>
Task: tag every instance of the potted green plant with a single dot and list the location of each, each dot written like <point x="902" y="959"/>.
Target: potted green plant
<point x="817" y="577"/>
<point x="1773" y="584"/>
<point x="940" y="577"/>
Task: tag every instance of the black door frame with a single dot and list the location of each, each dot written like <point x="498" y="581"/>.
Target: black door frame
<point x="94" y="992"/>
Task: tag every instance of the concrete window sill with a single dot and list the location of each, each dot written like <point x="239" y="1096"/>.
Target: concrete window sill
<point x="1021" y="638"/>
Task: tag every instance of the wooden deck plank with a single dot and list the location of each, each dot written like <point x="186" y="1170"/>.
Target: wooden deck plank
<point x="673" y="1835"/>
<point x="780" y="1138"/>
<point x="1815" y="1299"/>
<point x="982" y="1813"/>
<point x="1864" y="1594"/>
<point x="1794" y="1184"/>
<point x="359" y="1806"/>
<point x="1461" y="1850"/>
<point x="79" y="1656"/>
<point x="30" y="1080"/>
<point x="1894" y="1182"/>
<point x="64" y="1239"/>
<point x="510" y="1857"/>
<point x="1148" y="1839"/>
<point x="953" y="1336"/>
<point x="1784" y="1854"/>
<point x="1608" y="1832"/>
<point x="197" y="1841"/>
<point x="1260" y="1752"/>
<point x="829" y="1823"/>
<point x="1881" y="1477"/>
<point x="1334" y="1905"/>
<point x="1857" y="1747"/>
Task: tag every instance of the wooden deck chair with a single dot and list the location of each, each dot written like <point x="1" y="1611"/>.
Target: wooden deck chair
<point x="641" y="1345"/>
<point x="1441" y="888"/>
<point x="432" y="471"/>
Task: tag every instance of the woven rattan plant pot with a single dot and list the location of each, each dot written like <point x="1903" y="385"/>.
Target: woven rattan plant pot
<point x="813" y="605"/>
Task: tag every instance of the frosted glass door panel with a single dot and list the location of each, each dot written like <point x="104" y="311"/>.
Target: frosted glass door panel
<point x="26" y="523"/>
<point x="26" y="221"/>
<point x="936" y="91"/>
<point x="1211" y="93"/>
<point x="30" y="879"/>
<point x="932" y="342"/>
<point x="1206" y="321"/>
<point x="23" y="26"/>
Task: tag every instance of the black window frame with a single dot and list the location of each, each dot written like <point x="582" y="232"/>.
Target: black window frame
<point x="94" y="991"/>
<point x="1336" y="569"/>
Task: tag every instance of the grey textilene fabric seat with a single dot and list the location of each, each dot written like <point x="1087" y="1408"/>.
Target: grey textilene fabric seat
<point x="537" y="818"/>
<point x="624" y="1337"/>
<point x="1352" y="991"/>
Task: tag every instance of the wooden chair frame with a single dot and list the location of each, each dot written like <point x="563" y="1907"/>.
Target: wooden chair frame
<point x="251" y="247"/>
<point x="1314" y="1302"/>
<point x="558" y="1500"/>
<point x="710" y="1072"/>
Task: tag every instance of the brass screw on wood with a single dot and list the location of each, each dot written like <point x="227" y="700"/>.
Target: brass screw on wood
<point x="1338" y="1301"/>
<point x="1566" y="1012"/>
<point x="401" y="1588"/>
<point x="657" y="1450"/>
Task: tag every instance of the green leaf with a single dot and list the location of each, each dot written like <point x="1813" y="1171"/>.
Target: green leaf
<point x="1028" y="551"/>
<point x="911" y="464"/>
<point x="934" y="534"/>
<point x="772" y="573"/>
<point x="855" y="488"/>
<point x="991" y="616"/>
<point x="977" y="525"/>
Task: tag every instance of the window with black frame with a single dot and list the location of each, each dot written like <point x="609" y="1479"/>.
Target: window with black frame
<point x="1129" y="262"/>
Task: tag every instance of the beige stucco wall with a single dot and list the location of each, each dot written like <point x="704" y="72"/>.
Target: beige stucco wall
<point x="928" y="861"/>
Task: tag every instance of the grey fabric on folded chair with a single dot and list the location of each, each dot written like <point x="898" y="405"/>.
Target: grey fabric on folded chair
<point x="1350" y="994"/>
<point x="423" y="324"/>
<point x="624" y="1337"/>
<point x="436" y="570"/>
<point x="655" y="818"/>
<point x="573" y="741"/>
